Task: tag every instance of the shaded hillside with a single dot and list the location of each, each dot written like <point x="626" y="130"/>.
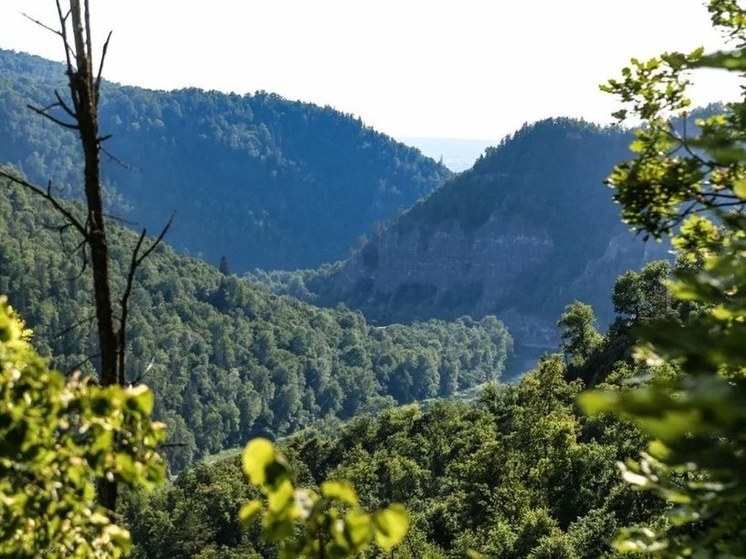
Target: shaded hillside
<point x="259" y="179"/>
<point x="527" y="230"/>
<point x="226" y="359"/>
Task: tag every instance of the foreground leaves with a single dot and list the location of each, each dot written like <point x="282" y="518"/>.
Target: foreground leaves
<point x="57" y="437"/>
<point x="307" y="524"/>
<point x="696" y="417"/>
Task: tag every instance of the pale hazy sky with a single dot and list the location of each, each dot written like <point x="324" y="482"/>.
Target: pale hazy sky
<point x="429" y="68"/>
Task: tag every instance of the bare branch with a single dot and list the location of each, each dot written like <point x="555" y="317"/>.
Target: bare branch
<point x="45" y="114"/>
<point x="125" y="305"/>
<point x="58" y="228"/>
<point x="723" y="195"/>
<point x="90" y="318"/>
<point x="141" y="376"/>
<point x="80" y="245"/>
<point x="120" y="219"/>
<point x="61" y="103"/>
<point x="89" y="49"/>
<point x="46" y="194"/>
<point x="101" y="64"/>
<point x="69" y="53"/>
<point x="77" y="366"/>
<point x="115" y="159"/>
<point x="135" y="262"/>
<point x="49" y="107"/>
<point x="83" y="264"/>
<point x="42" y="25"/>
<point x="172" y="445"/>
<point x="158" y="240"/>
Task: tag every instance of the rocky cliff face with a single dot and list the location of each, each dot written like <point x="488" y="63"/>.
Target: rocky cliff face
<point x="527" y="231"/>
<point x="410" y="272"/>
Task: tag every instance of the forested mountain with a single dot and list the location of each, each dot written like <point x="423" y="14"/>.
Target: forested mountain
<point x="519" y="473"/>
<point x="226" y="359"/>
<point x="264" y="181"/>
<point x="527" y="230"/>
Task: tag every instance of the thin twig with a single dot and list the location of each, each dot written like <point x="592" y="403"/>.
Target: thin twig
<point x="77" y="366"/>
<point x="61" y="103"/>
<point x="141" y="376"/>
<point x="172" y="445"/>
<point x="45" y="114"/>
<point x="43" y="25"/>
<point x="101" y="64"/>
<point x="114" y="158"/>
<point x="74" y="325"/>
<point x="120" y="219"/>
<point x="46" y="194"/>
<point x="135" y="262"/>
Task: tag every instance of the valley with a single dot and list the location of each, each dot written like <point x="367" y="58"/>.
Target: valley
<point x="344" y="345"/>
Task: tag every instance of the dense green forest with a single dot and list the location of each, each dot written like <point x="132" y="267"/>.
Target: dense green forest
<point x="362" y="444"/>
<point x="520" y="472"/>
<point x="226" y="359"/>
<point x="282" y="184"/>
<point x="526" y="231"/>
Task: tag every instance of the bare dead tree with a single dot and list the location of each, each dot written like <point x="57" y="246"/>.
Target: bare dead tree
<point x="80" y="114"/>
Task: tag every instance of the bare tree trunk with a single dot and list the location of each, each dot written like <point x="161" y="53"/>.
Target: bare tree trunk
<point x="84" y="92"/>
<point x="85" y="96"/>
<point x="82" y="116"/>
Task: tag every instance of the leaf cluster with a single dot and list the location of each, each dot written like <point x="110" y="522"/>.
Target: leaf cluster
<point x="57" y="437"/>
<point x="329" y="524"/>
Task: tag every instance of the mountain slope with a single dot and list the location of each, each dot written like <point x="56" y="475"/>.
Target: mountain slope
<point x="226" y="359"/>
<point x="264" y="181"/>
<point x="527" y="230"/>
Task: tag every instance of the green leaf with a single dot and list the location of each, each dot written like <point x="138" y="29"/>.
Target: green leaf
<point x="596" y="402"/>
<point x="142" y="398"/>
<point x="249" y="511"/>
<point x="739" y="189"/>
<point x="257" y="457"/>
<point x="358" y="529"/>
<point x="280" y="499"/>
<point x="391" y="525"/>
<point x="726" y="60"/>
<point x="339" y="491"/>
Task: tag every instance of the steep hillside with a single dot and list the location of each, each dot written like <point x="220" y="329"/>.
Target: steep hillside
<point x="226" y="359"/>
<point x="264" y="181"/>
<point x="527" y="230"/>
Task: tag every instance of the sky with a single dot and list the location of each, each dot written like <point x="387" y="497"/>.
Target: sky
<point x="409" y="68"/>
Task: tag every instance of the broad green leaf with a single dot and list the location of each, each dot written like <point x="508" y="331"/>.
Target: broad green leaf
<point x="739" y="189"/>
<point x="339" y="491"/>
<point x="391" y="525"/>
<point x="142" y="397"/>
<point x="257" y="457"/>
<point x="280" y="499"/>
<point x="358" y="529"/>
<point x="658" y="450"/>
<point x="596" y="402"/>
<point x="249" y="511"/>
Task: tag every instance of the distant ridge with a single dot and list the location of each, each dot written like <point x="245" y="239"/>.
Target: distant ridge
<point x="530" y="228"/>
<point x="264" y="181"/>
